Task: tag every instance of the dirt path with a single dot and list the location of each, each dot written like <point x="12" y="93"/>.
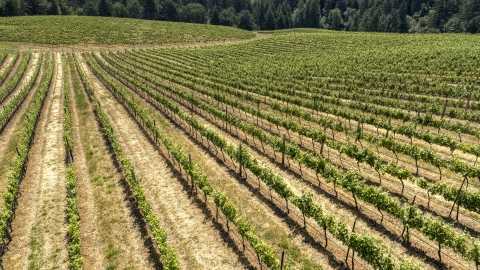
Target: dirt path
<point x="90" y="225"/>
<point x="10" y="137"/>
<point x="39" y="227"/>
<point x="195" y="238"/>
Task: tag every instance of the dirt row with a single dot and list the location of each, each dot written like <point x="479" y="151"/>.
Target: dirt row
<point x="111" y="234"/>
<point x="27" y="75"/>
<point x="194" y="237"/>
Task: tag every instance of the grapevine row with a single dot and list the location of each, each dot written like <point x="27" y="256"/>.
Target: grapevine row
<point x="228" y="86"/>
<point x="75" y="260"/>
<point x="10" y="108"/>
<point x="469" y="200"/>
<point x="17" y="172"/>
<point x="16" y="79"/>
<point x="365" y="246"/>
<point x="434" y="229"/>
<point x="264" y="251"/>
<point x="8" y="68"/>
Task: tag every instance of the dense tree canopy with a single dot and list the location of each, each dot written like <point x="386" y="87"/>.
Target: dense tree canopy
<point x="350" y="15"/>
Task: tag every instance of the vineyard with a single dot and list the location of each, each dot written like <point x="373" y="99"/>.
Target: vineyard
<point x="298" y="150"/>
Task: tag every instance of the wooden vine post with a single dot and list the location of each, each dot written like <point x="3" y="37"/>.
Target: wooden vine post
<point x="283" y="257"/>
<point x="389" y="122"/>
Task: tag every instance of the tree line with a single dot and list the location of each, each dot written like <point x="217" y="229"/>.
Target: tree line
<point x="402" y="16"/>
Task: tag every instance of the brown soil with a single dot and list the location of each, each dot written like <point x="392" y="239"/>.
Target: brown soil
<point x="22" y="47"/>
<point x="8" y="60"/>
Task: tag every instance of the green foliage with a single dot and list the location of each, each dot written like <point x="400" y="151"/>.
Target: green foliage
<point x="119" y="10"/>
<point x="228" y="17"/>
<point x="245" y="20"/>
<point x="10" y="108"/>
<point x="105" y="8"/>
<point x="221" y="89"/>
<point x="74" y="247"/>
<point x="135" y="10"/>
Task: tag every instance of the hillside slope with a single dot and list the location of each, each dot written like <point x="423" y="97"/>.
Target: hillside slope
<point x="101" y="30"/>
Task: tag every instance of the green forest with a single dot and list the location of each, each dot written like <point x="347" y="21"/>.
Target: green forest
<point x="401" y="16"/>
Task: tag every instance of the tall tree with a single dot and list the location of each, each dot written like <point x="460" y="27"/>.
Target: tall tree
<point x="370" y="20"/>
<point x="298" y="16"/>
<point x="90" y="9"/>
<point x="150" y="10"/>
<point x="228" y="17"/>
<point x="105" y="8"/>
<point x="312" y="13"/>
<point x="245" y="20"/>
<point x="443" y="11"/>
<point x="336" y="20"/>
<point x="470" y="9"/>
<point x="54" y="8"/>
<point x="119" y="10"/>
<point x="135" y="10"/>
<point x="171" y="11"/>
<point x="214" y="16"/>
<point x="270" y="19"/>
<point x="13" y="8"/>
<point x="194" y="13"/>
<point x="402" y="11"/>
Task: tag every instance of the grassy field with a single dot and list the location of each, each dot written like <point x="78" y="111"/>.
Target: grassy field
<point x="331" y="150"/>
<point x="100" y="30"/>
